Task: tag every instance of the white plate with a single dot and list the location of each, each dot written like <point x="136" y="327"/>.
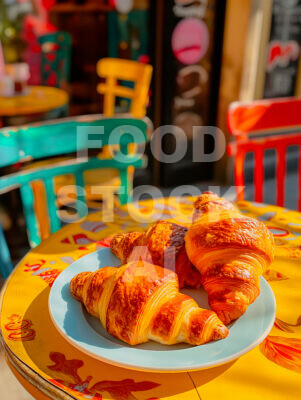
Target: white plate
<point x="86" y="333"/>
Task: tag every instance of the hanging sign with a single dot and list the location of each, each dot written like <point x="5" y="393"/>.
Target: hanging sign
<point x="283" y="51"/>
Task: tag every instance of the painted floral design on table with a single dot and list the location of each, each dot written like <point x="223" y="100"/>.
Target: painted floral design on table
<point x="20" y="329"/>
<point x="283" y="351"/>
<point x="43" y="271"/>
<point x="118" y="390"/>
<point x="272" y="275"/>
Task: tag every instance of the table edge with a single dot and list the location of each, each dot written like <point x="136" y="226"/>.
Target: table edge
<point x="35" y="379"/>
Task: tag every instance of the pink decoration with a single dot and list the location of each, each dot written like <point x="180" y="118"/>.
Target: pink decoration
<point x="190" y="40"/>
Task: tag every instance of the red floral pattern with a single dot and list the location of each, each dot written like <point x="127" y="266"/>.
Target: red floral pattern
<point x="283" y="351"/>
<point x="20" y="329"/>
<point x="104" y="242"/>
<point x="272" y="275"/>
<point x="40" y="269"/>
<point x="118" y="390"/>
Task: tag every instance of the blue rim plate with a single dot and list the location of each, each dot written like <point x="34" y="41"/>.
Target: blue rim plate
<point x="86" y="333"/>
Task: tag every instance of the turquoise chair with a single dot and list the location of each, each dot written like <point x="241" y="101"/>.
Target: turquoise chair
<point x="55" y="59"/>
<point x="55" y="65"/>
<point x="45" y="140"/>
<point x="6" y="265"/>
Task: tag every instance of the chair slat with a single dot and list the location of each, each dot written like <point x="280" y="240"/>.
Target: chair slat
<point x="55" y="223"/>
<point x="6" y="266"/>
<point x="120" y="91"/>
<point x="264" y="115"/>
<point x="81" y="200"/>
<point x="124" y="196"/>
<point x="239" y="175"/>
<point x="280" y="174"/>
<point x="140" y="99"/>
<point x="30" y="217"/>
<point x="258" y="174"/>
<point x="12" y="181"/>
<point x="41" y="140"/>
<point x="109" y="98"/>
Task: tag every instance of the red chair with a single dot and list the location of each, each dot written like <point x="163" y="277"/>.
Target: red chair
<point x="261" y="125"/>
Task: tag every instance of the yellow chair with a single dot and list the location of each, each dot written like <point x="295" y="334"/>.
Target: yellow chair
<point x="114" y="70"/>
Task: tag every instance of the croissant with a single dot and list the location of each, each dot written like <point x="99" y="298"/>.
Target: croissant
<point x="140" y="301"/>
<point x="231" y="251"/>
<point x="162" y="244"/>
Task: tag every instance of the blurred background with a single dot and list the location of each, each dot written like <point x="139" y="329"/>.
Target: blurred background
<point x="235" y="50"/>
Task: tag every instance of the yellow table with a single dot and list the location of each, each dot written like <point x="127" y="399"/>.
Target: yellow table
<point x="49" y="367"/>
<point x="40" y="99"/>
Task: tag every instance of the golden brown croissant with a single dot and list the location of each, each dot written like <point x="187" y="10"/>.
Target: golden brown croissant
<point x="140" y="301"/>
<point x="231" y="251"/>
<point x="162" y="244"/>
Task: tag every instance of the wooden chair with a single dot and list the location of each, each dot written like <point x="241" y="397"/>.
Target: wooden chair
<point x="114" y="71"/>
<point x="45" y="140"/>
<point x="119" y="75"/>
<point x="259" y="126"/>
<point x="55" y="59"/>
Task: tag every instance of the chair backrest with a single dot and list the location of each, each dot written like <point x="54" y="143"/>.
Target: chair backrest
<point x="55" y="59"/>
<point x="114" y="70"/>
<point x="41" y="140"/>
<point x="46" y="175"/>
<point x="259" y="126"/>
<point x="34" y="142"/>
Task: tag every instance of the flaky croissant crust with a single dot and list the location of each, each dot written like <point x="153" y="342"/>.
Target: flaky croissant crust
<point x="162" y="244"/>
<point x="140" y="301"/>
<point x="231" y="251"/>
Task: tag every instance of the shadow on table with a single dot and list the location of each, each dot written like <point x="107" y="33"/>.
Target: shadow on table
<point x="51" y="354"/>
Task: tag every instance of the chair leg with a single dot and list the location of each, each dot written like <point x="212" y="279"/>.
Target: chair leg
<point x="6" y="265"/>
<point x="239" y="176"/>
<point x="29" y="214"/>
<point x="130" y="180"/>
<point x="125" y="186"/>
